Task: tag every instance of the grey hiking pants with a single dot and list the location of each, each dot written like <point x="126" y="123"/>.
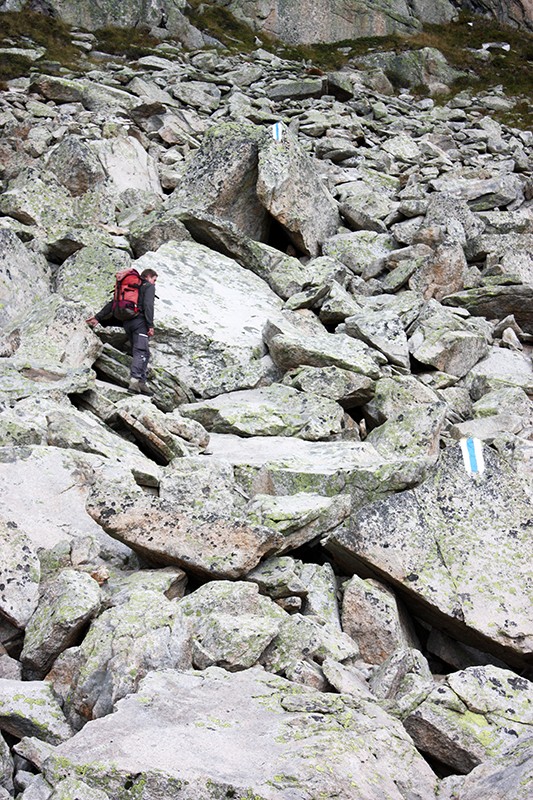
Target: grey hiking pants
<point x="137" y="331"/>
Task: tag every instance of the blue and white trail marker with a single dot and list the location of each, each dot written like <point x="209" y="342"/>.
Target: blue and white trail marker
<point x="277" y="131"/>
<point x="473" y="455"/>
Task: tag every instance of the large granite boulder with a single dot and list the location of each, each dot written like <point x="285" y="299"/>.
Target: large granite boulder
<point x="289" y="187"/>
<point x="269" y="736"/>
<point x="210" y="318"/>
<point x="454" y="547"/>
<point x="221" y="177"/>
<point x="210" y="545"/>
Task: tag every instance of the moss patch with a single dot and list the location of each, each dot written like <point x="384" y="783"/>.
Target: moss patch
<point x="128" y="42"/>
<point x="28" y="27"/>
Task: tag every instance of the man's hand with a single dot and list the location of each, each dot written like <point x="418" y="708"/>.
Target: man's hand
<point x="151" y="331"/>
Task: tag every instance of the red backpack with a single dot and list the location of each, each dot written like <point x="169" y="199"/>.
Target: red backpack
<point x="126" y="296"/>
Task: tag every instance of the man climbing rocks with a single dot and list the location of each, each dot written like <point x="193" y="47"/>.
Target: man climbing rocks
<point x="139" y="329"/>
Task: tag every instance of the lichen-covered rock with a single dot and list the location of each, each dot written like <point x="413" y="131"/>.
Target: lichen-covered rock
<point x="497" y="302"/>
<point x="415" y="433"/>
<point x="6" y="766"/>
<point x="124" y="643"/>
<point x="500" y="369"/>
<point x="291" y="348"/>
<point x="88" y="275"/>
<point x="30" y="708"/>
<point x="382" y="330"/>
<point x="449" y="343"/>
<point x="75" y="430"/>
<point x="508" y="776"/>
<point x="19" y="574"/>
<point x="372" y="616"/>
<point x="483" y="193"/>
<point x="300" y="518"/>
<point x="322" y="589"/>
<point x="363" y="252"/>
<point x="476" y="714"/>
<point x="404" y="677"/>
<point x="73" y="789"/>
<point x="209" y="327"/>
<point x="276" y="410"/>
<point x="210" y="545"/>
<point x="67" y="603"/>
<point x="305" y="639"/>
<point x="231" y="623"/>
<point x="127" y="165"/>
<point x="286" y="729"/>
<point x="75" y="165"/>
<point x="201" y="485"/>
<point x="347" y="388"/>
<point x="23" y="279"/>
<point x="455" y="545"/>
<point x="221" y="178"/>
<point x="279" y="577"/>
<point x="289" y="188"/>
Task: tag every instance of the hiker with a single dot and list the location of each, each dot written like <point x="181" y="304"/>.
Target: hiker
<point x="139" y="327"/>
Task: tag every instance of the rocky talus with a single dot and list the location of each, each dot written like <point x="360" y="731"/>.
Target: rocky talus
<point x="302" y="569"/>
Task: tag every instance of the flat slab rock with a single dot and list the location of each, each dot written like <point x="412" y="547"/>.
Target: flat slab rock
<point x="212" y="545"/>
<point x="460" y="547"/>
<point x="273" y="410"/>
<point x="283" y="466"/>
<point x="269" y="736"/>
<point x="43" y="491"/>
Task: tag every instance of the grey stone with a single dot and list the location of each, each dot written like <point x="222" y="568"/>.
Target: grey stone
<point x="210" y="545"/>
<point x="289" y="188"/>
<point x="448" y="343"/>
<point x="276" y="410"/>
<point x="497" y="302"/>
<point x="476" y="714"/>
<point x="249" y="706"/>
<point x="221" y="178"/>
<point x="300" y="518"/>
<point x="30" y="708"/>
<point x="347" y="388"/>
<point x="19" y="575"/>
<point x="76" y="166"/>
<point x="66" y="605"/>
<point x="470" y="555"/>
<point x="124" y="643"/>
<point x="291" y="348"/>
<point x="508" y="776"/>
<point x="382" y="330"/>
<point x="372" y="616"/>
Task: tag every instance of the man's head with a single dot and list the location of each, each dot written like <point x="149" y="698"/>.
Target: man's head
<point x="149" y="275"/>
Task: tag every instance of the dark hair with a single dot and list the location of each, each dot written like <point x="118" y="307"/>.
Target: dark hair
<point x="148" y="273"/>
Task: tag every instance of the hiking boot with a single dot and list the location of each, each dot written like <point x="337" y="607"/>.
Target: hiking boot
<point x="138" y="387"/>
<point x="144" y="389"/>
